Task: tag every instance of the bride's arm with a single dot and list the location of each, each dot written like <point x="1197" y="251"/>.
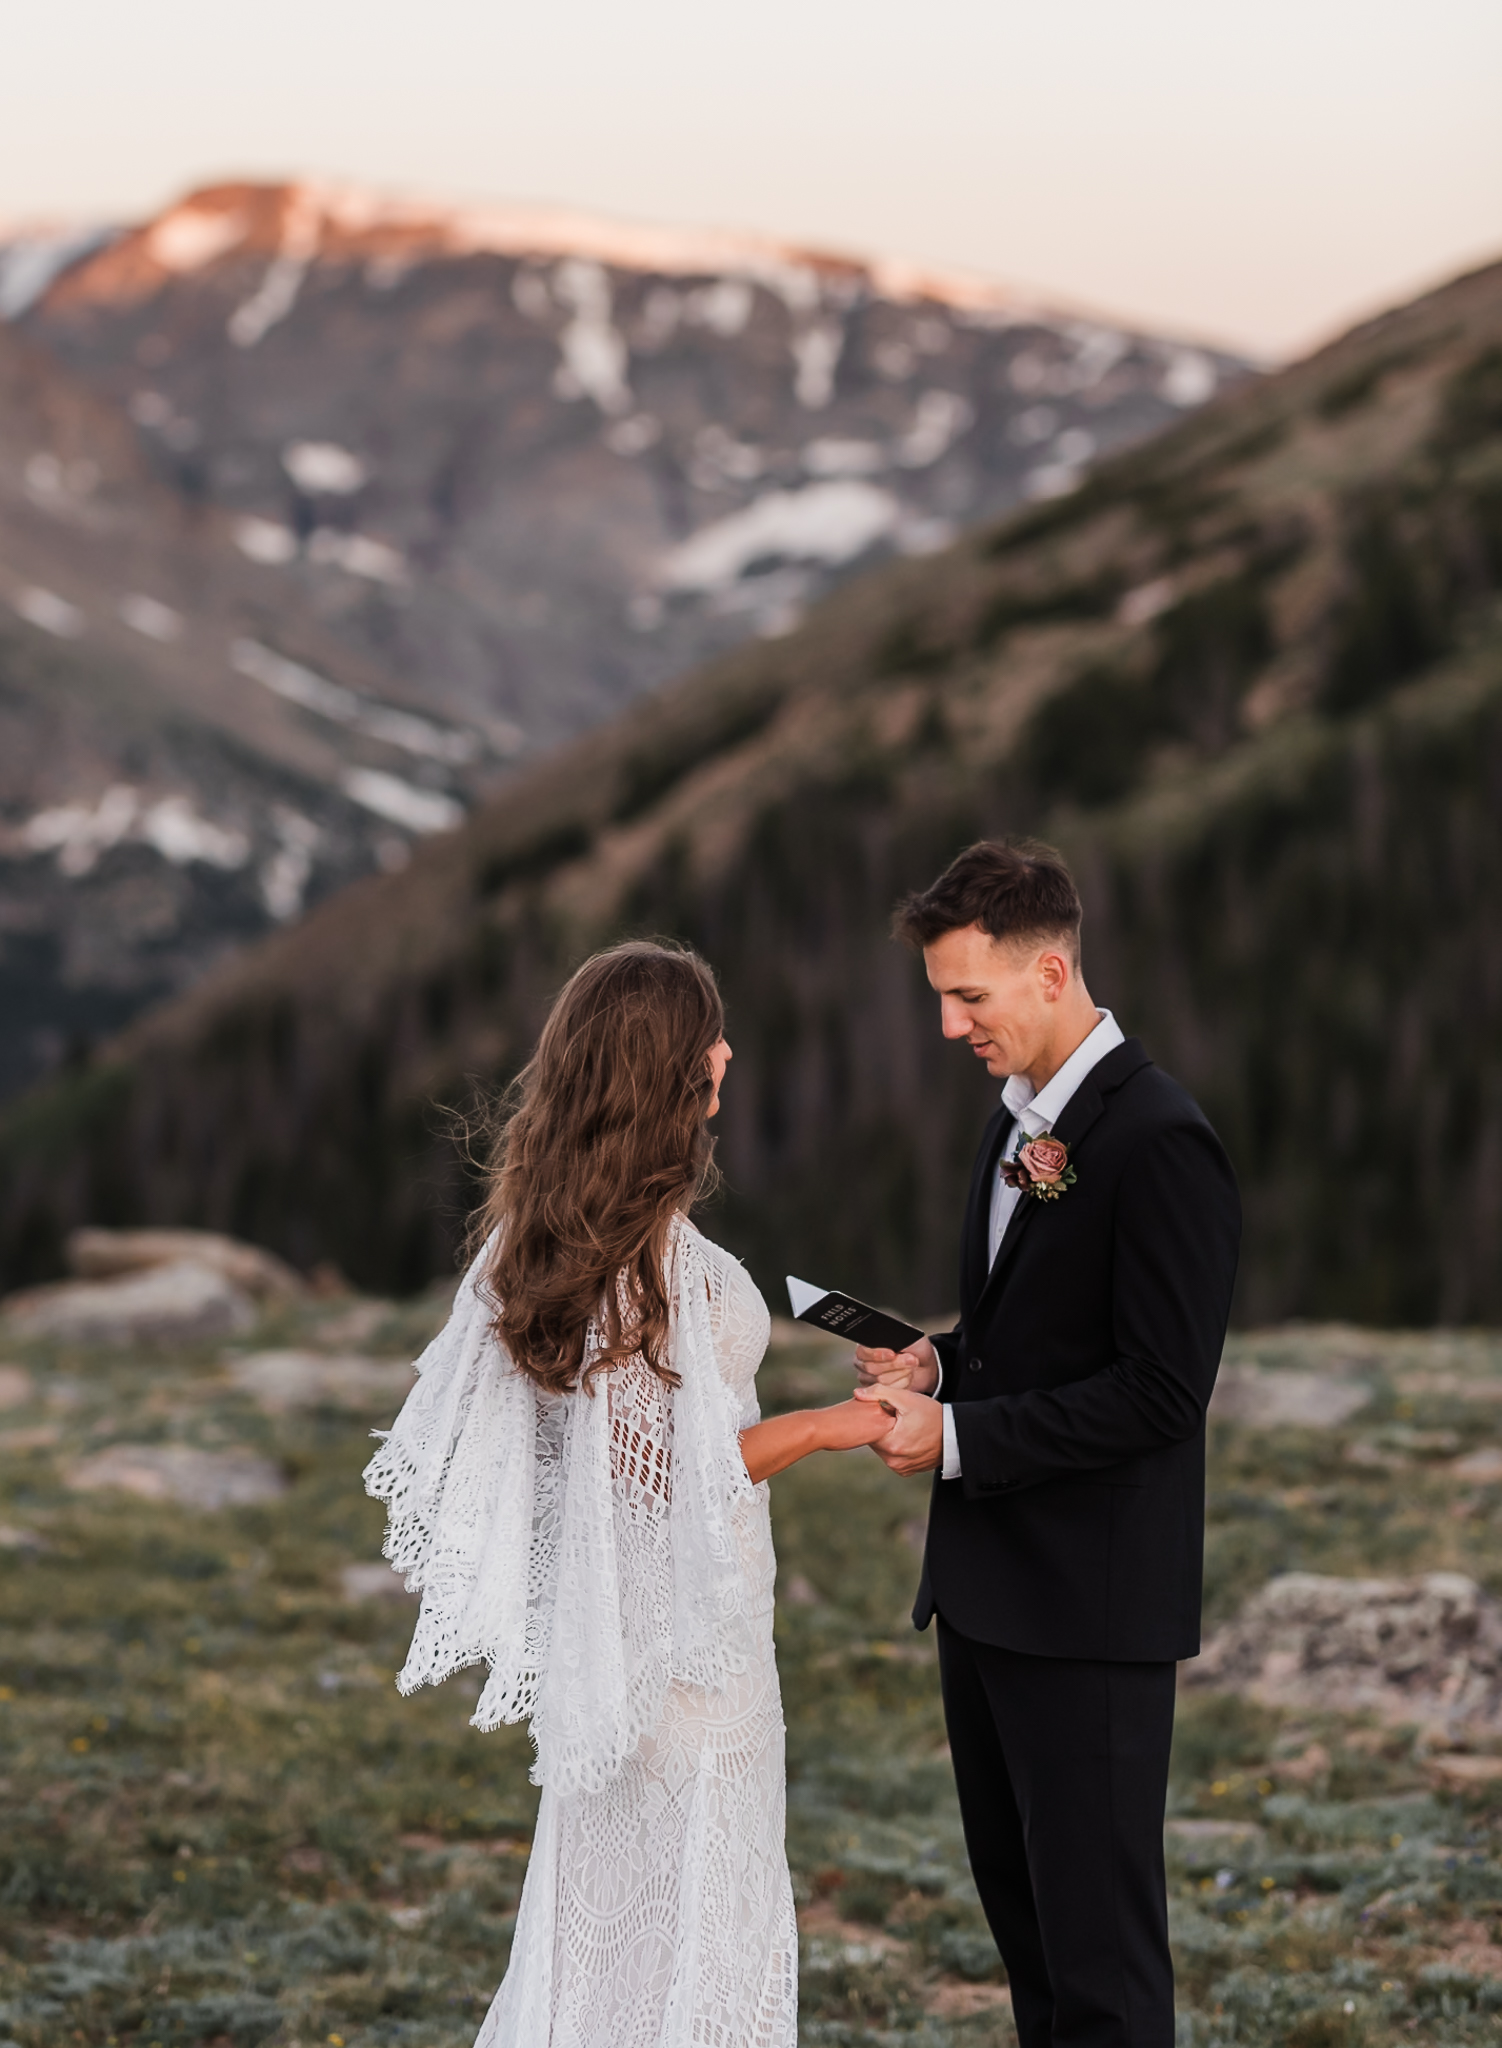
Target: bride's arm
<point x="773" y="1445"/>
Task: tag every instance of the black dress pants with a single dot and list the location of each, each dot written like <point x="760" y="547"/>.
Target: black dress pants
<point x="1062" y="1770"/>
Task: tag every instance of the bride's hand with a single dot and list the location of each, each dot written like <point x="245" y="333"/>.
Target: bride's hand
<point x="850" y="1424"/>
<point x="917" y="1368"/>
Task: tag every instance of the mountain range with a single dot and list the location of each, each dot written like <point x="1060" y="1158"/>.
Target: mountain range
<point x="1248" y="676"/>
<point x="321" y="515"/>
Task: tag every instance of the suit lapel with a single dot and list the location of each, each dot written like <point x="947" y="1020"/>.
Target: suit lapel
<point x="1087" y="1103"/>
<point x="978" y="1210"/>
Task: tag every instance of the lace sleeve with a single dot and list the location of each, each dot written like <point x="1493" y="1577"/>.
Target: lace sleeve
<point x="641" y="1437"/>
<point x="581" y="1545"/>
<point x="459" y="1472"/>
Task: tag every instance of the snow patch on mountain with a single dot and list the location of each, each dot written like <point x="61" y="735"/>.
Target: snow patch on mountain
<point x="816" y="357"/>
<point x="51" y="613"/>
<point x="826" y="522"/>
<point x="313" y="692"/>
<point x="401" y="803"/>
<point x="634" y="436"/>
<point x="284" y="876"/>
<point x="269" y="304"/>
<point x="302" y="236"/>
<point x="265" y="540"/>
<point x="79" y="832"/>
<point x="1190" y="378"/>
<point x="941" y="417"/>
<point x="719" y="457"/>
<point x="150" y="617"/>
<point x="358" y="555"/>
<point x="594" y="350"/>
<point x="1097" y="352"/>
<point x="1050" y="480"/>
<point x="724" y="307"/>
<point x="181" y="835"/>
<point x="830" y="456"/>
<point x="193" y="236"/>
<point x="62" y="488"/>
<point x="323" y="468"/>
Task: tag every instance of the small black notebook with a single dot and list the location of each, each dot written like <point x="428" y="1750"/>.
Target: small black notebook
<point x="843" y="1316"/>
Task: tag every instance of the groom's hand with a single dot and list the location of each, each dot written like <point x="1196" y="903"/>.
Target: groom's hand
<point x="917" y="1368"/>
<point x="915" y="1442"/>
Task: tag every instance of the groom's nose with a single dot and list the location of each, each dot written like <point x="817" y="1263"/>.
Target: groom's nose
<point x="954" y="1018"/>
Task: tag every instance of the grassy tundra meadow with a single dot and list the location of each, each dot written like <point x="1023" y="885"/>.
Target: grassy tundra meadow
<point x="223" y="1826"/>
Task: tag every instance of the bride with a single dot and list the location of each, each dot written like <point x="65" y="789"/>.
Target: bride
<point x="576" y="1488"/>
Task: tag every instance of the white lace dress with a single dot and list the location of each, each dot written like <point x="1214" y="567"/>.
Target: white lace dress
<point x="610" y="1559"/>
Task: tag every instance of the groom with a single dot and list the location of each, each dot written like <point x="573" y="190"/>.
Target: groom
<point x="1064" y="1421"/>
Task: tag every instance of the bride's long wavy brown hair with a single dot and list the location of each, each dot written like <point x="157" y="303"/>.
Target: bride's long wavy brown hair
<point x="603" y="1136"/>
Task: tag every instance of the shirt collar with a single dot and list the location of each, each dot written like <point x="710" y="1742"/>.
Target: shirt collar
<point x="1038" y="1110"/>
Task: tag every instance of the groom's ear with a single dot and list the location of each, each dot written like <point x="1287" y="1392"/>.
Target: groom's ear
<point x="1055" y="971"/>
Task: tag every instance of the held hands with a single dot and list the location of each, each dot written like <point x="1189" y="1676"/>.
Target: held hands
<point x="916" y="1369"/>
<point x="903" y="1380"/>
<point x="915" y="1441"/>
<point x="850" y="1424"/>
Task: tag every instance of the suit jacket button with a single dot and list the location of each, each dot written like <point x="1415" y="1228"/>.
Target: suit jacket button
<point x="975" y="1365"/>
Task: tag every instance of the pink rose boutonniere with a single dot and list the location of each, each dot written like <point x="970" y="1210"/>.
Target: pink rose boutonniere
<point x="1041" y="1169"/>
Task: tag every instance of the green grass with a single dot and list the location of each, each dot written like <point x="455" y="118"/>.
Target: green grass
<point x="223" y="1826"/>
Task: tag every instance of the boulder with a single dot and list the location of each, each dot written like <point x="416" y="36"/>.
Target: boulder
<point x="281" y="1380"/>
<point x="1464" y="1773"/>
<point x="179" y="1472"/>
<point x="1286" y="1397"/>
<point x="1483" y="1467"/>
<point x="372" y="1582"/>
<point x="15" y="1386"/>
<point x="181" y="1303"/>
<point x="111" y="1254"/>
<point x="1425" y="1650"/>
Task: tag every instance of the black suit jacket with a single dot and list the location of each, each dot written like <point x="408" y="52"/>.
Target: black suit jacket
<point x="1079" y="1373"/>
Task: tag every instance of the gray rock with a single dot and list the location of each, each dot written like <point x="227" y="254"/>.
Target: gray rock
<point x="181" y="1303"/>
<point x="1427" y="1650"/>
<point x="1260" y="1399"/>
<point x="95" y="1254"/>
<point x="179" y="1472"/>
<point x="1483" y="1467"/>
<point x="372" y="1582"/>
<point x="281" y="1380"/>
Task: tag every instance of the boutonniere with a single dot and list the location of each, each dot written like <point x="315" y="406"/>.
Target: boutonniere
<point x="1041" y="1169"/>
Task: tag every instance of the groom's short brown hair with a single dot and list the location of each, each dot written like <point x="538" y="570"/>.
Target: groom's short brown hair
<point x="1011" y="888"/>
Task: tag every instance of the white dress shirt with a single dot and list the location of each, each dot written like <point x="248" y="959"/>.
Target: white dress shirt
<point x="1034" y="1112"/>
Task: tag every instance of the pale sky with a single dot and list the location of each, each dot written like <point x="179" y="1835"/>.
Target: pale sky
<point x="1257" y="173"/>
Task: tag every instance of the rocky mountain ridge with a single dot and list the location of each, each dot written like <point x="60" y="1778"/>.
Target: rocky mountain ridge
<point x="170" y="785"/>
<point x="1250" y="677"/>
<point x="318" y="511"/>
<point x="536" y="464"/>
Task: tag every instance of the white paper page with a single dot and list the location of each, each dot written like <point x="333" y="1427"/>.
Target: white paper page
<point x="802" y="1296"/>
